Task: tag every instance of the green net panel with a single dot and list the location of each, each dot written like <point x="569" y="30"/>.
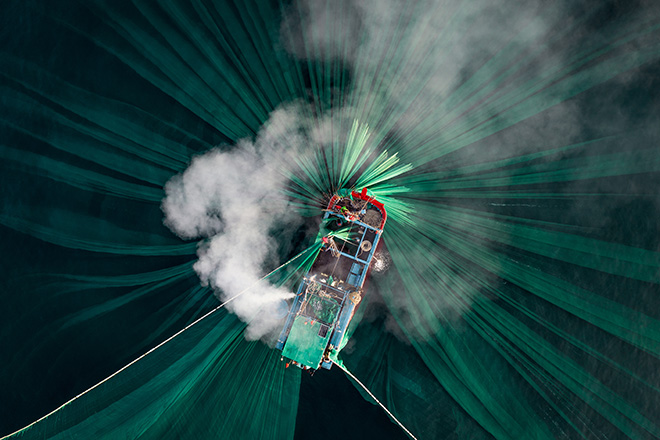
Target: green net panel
<point x="515" y="148"/>
<point x="206" y="382"/>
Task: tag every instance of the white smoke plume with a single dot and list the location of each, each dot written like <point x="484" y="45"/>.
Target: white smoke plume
<point x="231" y="198"/>
<point x="415" y="68"/>
<point x="413" y="56"/>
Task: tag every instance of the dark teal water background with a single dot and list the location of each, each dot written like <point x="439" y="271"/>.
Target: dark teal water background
<point x="44" y="361"/>
<point x="57" y="339"/>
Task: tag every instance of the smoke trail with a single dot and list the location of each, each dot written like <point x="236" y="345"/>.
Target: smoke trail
<point x="238" y="199"/>
<point x="455" y="84"/>
<point x="480" y="80"/>
<point x="527" y="105"/>
<point x="233" y="200"/>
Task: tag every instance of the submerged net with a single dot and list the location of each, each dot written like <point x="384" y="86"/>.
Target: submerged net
<point x="209" y="373"/>
<point x="514" y="148"/>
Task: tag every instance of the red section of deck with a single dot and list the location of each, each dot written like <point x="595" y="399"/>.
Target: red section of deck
<point x="363" y="196"/>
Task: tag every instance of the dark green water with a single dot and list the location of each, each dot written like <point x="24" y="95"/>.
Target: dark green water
<point x="59" y="336"/>
<point x="101" y="105"/>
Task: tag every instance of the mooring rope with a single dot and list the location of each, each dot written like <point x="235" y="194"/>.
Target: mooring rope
<point x="377" y="401"/>
<point x="156" y="347"/>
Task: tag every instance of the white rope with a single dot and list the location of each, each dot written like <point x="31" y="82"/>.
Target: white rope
<point x="155" y="348"/>
<point x="377" y="401"/>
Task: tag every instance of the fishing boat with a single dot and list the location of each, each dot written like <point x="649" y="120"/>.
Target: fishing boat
<point x="326" y="300"/>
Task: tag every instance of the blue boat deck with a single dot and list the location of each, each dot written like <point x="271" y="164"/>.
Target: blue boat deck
<point x="332" y="289"/>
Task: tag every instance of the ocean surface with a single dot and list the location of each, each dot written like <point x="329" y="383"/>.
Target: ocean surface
<point x="101" y="103"/>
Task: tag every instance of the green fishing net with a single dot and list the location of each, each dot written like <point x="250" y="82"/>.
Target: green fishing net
<point x="515" y="148"/>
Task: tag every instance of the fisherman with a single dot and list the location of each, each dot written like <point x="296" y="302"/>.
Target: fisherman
<point x="326" y="354"/>
<point x="330" y="245"/>
<point x="349" y="215"/>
